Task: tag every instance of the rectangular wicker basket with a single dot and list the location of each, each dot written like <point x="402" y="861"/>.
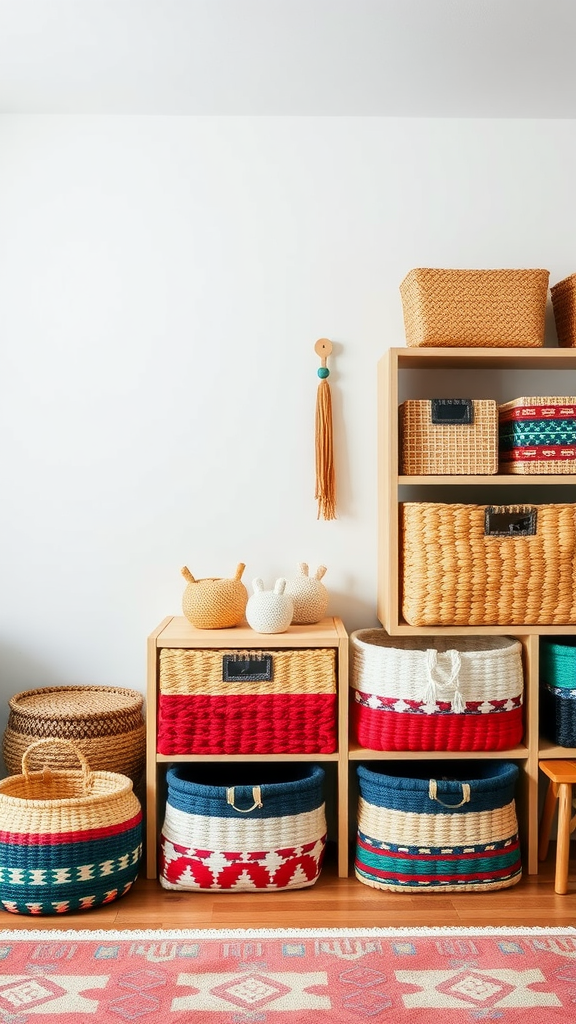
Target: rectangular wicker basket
<point x="246" y="827"/>
<point x="480" y="308"/>
<point x="480" y="565"/>
<point x="434" y="827"/>
<point x="247" y="702"/>
<point x="538" y="435"/>
<point x="563" y="295"/>
<point x="448" y="436"/>
<point x="435" y="693"/>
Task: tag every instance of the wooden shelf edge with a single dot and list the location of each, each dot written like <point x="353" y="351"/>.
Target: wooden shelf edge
<point x="357" y="753"/>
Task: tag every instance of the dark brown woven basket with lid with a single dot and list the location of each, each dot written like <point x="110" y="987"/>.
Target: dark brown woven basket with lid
<point x="105" y="722"/>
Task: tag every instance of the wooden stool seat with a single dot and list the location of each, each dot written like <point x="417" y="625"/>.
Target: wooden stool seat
<point x="562" y="775"/>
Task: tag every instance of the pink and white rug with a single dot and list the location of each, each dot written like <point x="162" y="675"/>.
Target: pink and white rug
<point x="388" y="976"/>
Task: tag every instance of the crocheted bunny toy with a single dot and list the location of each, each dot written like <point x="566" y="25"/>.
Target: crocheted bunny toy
<point x="269" y="611"/>
<point x="309" y="595"/>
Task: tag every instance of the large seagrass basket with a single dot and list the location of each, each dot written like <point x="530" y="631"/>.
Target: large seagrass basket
<point x="105" y="723"/>
<point x="482" y="565"/>
<point x="480" y="308"/>
<point x="563" y="295"/>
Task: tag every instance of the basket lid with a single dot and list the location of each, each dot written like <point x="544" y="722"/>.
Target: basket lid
<point x="76" y="702"/>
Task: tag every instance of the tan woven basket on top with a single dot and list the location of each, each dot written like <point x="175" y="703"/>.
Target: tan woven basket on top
<point x="106" y="723"/>
<point x="564" y="305"/>
<point x="477" y="565"/>
<point x="479" y="308"/>
<point x="429" y="444"/>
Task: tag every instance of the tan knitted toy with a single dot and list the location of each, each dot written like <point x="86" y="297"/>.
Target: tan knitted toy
<point x="309" y="595"/>
<point x="214" y="603"/>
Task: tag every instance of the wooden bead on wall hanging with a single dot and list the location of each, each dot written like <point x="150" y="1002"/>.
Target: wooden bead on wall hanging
<point x="325" y="475"/>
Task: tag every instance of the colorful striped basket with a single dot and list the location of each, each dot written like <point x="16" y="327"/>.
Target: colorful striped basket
<point x="254" y="828"/>
<point x="483" y="565"/>
<point x="538" y="435"/>
<point x="279" y="701"/>
<point x="420" y="829"/>
<point x="558" y="690"/>
<point x="69" y="840"/>
<point x="436" y="693"/>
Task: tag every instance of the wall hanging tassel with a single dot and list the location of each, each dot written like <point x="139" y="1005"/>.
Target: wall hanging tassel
<point x="325" y="476"/>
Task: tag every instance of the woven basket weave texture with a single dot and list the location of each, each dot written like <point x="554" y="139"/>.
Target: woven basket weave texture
<point x="292" y="710"/>
<point x="427" y="447"/>
<point x="432" y="827"/>
<point x="69" y="840"/>
<point x="538" y="435"/>
<point x="563" y="295"/>
<point x="106" y="723"/>
<point x="453" y="574"/>
<point x="254" y="828"/>
<point x="436" y="693"/>
<point x="486" y="308"/>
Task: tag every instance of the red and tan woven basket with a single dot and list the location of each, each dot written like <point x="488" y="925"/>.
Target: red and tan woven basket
<point x="479" y="565"/>
<point x="563" y="295"/>
<point x="436" y="693"/>
<point x="448" y="436"/>
<point x="480" y="308"/>
<point x="247" y="702"/>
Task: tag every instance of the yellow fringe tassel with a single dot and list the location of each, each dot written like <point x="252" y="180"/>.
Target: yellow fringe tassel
<point x="325" y="476"/>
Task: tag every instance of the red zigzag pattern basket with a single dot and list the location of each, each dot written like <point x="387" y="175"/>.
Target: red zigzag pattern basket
<point x="247" y="702"/>
<point x="436" y="693"/>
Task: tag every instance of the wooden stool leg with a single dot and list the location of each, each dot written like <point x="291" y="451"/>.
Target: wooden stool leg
<point x="546" y="822"/>
<point x="563" y="843"/>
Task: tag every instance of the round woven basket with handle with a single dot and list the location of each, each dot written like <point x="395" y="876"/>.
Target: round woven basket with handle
<point x="69" y="840"/>
<point x="105" y="723"/>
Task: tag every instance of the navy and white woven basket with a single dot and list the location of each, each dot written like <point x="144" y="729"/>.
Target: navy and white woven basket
<point x="254" y="827"/>
<point x="419" y="831"/>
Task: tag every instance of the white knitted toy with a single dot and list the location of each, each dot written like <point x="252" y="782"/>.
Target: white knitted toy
<point x="269" y="611"/>
<point x="309" y="595"/>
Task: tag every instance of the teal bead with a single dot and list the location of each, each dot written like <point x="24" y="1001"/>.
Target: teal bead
<point x="323" y="371"/>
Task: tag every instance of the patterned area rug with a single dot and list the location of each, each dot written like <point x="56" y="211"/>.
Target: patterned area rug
<point x="389" y="976"/>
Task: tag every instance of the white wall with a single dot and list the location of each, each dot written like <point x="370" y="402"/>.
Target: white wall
<point x="162" y="284"/>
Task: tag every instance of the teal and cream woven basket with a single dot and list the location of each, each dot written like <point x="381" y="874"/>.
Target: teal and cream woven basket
<point x="438" y="827"/>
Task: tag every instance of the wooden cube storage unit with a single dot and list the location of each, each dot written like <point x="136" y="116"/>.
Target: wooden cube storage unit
<point x="176" y="633"/>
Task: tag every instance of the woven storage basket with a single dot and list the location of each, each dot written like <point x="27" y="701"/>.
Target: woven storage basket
<point x="558" y="690"/>
<point x="419" y="831"/>
<point x="69" y="840"/>
<point x="247" y="702"/>
<point x="487" y="308"/>
<point x="254" y="827"/>
<point x="538" y="435"/>
<point x="443" y="435"/>
<point x="105" y="722"/>
<point x="563" y="295"/>
<point x="436" y="693"/>
<point x="478" y="565"/>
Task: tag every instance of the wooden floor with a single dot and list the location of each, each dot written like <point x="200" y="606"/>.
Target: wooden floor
<point x="332" y="903"/>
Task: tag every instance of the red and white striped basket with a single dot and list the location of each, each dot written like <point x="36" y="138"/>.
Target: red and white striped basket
<point x="436" y="693"/>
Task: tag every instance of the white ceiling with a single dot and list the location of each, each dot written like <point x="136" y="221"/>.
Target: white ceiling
<point x="395" y="58"/>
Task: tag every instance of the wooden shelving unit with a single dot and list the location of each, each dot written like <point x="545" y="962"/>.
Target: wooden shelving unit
<point x="393" y="486"/>
<point x="176" y="631"/>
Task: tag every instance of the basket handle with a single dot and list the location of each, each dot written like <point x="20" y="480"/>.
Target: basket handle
<point x="256" y="796"/>
<point x="433" y="794"/>
<point x="435" y="685"/>
<point x="50" y="741"/>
